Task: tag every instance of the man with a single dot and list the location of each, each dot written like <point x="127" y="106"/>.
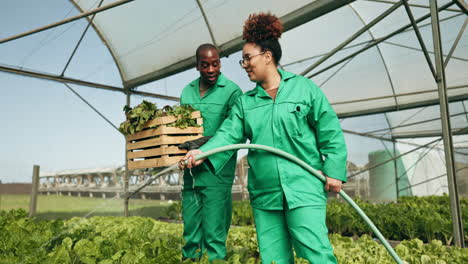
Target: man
<point x="206" y="195"/>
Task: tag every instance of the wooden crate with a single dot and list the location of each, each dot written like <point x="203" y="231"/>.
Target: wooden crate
<point x="157" y="147"/>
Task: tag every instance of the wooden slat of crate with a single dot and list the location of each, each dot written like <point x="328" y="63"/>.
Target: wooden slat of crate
<point x="168" y="119"/>
<point x="155" y="146"/>
<point x="164" y="130"/>
<point x="153" y="163"/>
<point x="162" y="140"/>
<point x="163" y="150"/>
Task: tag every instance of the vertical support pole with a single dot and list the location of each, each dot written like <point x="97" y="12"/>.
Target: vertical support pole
<point x="114" y="180"/>
<point x="395" y="167"/>
<point x="162" y="185"/>
<point x="126" y="174"/>
<point x="34" y="191"/>
<point x="457" y="224"/>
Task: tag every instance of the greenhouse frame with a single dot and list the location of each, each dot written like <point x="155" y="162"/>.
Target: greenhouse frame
<point x="404" y="64"/>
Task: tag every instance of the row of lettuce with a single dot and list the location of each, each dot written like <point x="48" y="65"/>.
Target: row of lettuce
<point x="107" y="240"/>
<point x="426" y="218"/>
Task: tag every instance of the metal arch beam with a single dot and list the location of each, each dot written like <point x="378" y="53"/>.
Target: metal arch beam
<point x="65" y="21"/>
<point x="389" y="140"/>
<point x="90" y="21"/>
<point x="399" y="95"/>
<point x="323" y="54"/>
<point x="290" y="21"/>
<point x="388" y="74"/>
<point x="365" y="42"/>
<point x="415" y="5"/>
<point x="393" y="158"/>
<point x="464" y="108"/>
<point x="60" y="79"/>
<point x="430" y="134"/>
<point x="462" y="5"/>
<point x="419" y="37"/>
<point x="353" y="37"/>
<point x="101" y="36"/>
<point x="367" y="135"/>
<point x="404" y="121"/>
<point x="92" y="107"/>
<point x="382" y="57"/>
<point x="401" y="107"/>
<point x="321" y="85"/>
<point x="440" y="20"/>
<point x="402" y="29"/>
<point x="412" y="48"/>
<point x="411" y="124"/>
<point x="431" y="179"/>
<point x="458" y="132"/>
<point x="206" y="22"/>
<point x="455" y="43"/>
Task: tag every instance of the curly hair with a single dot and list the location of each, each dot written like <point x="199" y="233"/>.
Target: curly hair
<point x="264" y="29"/>
<point x="259" y="27"/>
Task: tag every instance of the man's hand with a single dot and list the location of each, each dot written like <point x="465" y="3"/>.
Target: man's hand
<point x="190" y="158"/>
<point x="194" y="144"/>
<point x="333" y="185"/>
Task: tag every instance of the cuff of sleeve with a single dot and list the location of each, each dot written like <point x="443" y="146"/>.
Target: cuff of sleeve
<point x="219" y="160"/>
<point x="336" y="170"/>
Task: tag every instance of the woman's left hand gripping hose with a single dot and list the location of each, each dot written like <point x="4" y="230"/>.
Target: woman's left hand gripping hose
<point x="189" y="160"/>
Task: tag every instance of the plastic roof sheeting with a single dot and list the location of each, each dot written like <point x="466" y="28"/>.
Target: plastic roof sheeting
<point x="421" y="122"/>
<point x="153" y="39"/>
<point x="392" y="75"/>
<point x="148" y="38"/>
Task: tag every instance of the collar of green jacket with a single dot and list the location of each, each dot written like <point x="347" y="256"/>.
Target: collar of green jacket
<point x="285" y="76"/>
<point x="221" y="82"/>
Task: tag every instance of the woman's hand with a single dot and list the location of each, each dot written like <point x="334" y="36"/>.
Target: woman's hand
<point x="190" y="158"/>
<point x="333" y="185"/>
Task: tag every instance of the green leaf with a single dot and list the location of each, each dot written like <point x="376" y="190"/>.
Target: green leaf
<point x="425" y="259"/>
<point x="67" y="243"/>
<point x="59" y="255"/>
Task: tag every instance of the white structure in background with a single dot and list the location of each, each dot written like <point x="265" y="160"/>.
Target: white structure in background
<point x="426" y="168"/>
<point x="109" y="181"/>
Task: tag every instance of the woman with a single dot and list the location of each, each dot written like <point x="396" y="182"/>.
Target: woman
<point x="288" y="112"/>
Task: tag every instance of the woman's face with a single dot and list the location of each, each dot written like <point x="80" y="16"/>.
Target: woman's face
<point x="254" y="62"/>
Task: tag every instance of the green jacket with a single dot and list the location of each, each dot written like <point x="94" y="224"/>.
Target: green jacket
<point x="299" y="121"/>
<point x="214" y="107"/>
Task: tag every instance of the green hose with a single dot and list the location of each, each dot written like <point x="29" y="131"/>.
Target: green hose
<point x="316" y="174"/>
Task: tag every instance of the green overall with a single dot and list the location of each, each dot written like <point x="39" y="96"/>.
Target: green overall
<point x="289" y="203"/>
<point x="206" y="196"/>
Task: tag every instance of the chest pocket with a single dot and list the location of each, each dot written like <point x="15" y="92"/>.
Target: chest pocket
<point x="213" y="116"/>
<point x="212" y="109"/>
<point x="296" y="118"/>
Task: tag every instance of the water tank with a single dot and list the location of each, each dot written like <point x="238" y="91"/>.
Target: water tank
<point x="383" y="180"/>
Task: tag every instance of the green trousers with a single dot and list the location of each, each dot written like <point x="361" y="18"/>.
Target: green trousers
<point x="206" y="212"/>
<point x="303" y="228"/>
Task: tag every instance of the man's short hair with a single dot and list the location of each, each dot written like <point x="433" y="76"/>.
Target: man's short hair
<point x="206" y="46"/>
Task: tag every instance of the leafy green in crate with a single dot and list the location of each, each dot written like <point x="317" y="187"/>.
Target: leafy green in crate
<point x="138" y="116"/>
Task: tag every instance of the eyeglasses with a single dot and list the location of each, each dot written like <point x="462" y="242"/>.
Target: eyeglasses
<point x="246" y="60"/>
